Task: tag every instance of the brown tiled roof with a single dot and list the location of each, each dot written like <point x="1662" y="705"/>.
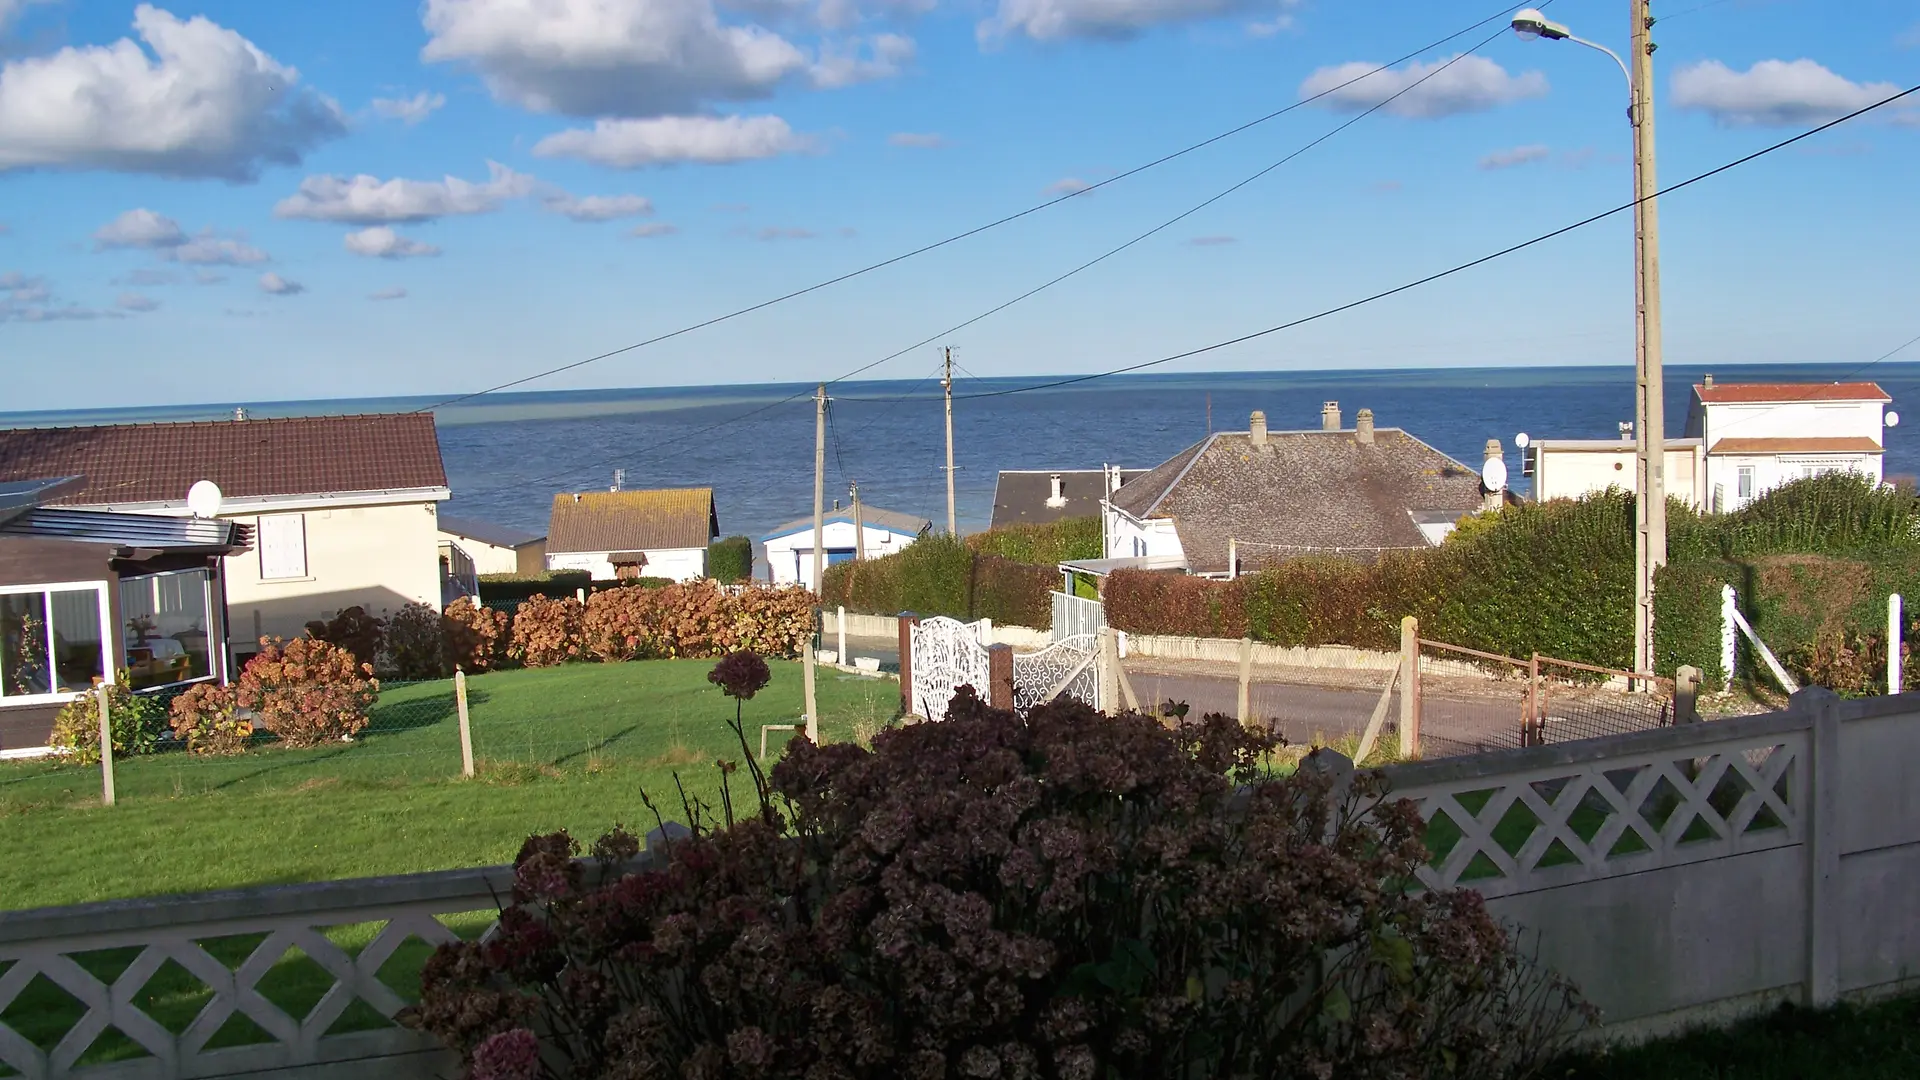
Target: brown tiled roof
<point x="1020" y="495"/>
<point x="1851" y="444"/>
<point x="1762" y="393"/>
<point x="1308" y="492"/>
<point x="157" y="463"/>
<point x="664" y="518"/>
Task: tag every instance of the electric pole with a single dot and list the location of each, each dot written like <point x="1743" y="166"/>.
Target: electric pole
<point x="946" y="382"/>
<point x="859" y="526"/>
<point x="819" y="554"/>
<point x="1650" y="426"/>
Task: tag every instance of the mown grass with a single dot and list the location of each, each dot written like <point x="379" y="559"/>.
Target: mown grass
<point x="1850" y="1042"/>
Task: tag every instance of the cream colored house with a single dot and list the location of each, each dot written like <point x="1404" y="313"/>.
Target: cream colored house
<point x="1570" y="468"/>
<point x="344" y="509"/>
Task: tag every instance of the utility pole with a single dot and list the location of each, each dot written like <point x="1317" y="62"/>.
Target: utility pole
<point x="819" y="554"/>
<point x="946" y="382"/>
<point x="859" y="525"/>
<point x="1650" y="547"/>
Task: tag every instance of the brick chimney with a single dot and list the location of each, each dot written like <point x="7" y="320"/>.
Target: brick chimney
<point x="1363" y="427"/>
<point x="1330" y="416"/>
<point x="1257" y="429"/>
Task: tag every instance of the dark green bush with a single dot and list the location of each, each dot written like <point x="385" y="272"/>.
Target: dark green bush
<point x="939" y="575"/>
<point x="936" y="577"/>
<point x="1043" y="545"/>
<point x="1014" y="593"/>
<point x="502" y="587"/>
<point x="730" y="560"/>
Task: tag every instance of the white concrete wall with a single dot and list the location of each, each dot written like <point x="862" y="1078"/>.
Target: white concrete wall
<point x="1770" y="471"/>
<point x="375" y="557"/>
<point x="790" y="558"/>
<point x="678" y="564"/>
<point x="1794" y="420"/>
<point x="487" y="558"/>
<point x="1128" y="538"/>
<point x="1571" y="473"/>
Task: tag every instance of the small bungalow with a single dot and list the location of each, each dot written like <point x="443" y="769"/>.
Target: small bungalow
<point x="1044" y="496"/>
<point x="1239" y="500"/>
<point x="470" y="548"/>
<point x="789" y="548"/>
<point x="612" y="535"/>
<point x="87" y="595"/>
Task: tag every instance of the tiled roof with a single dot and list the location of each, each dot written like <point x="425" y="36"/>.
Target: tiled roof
<point x="157" y="463"/>
<point x="870" y="516"/>
<point x="1852" y="444"/>
<point x="1769" y="393"/>
<point x="1020" y="496"/>
<point x="1308" y="492"/>
<point x="487" y="532"/>
<point x="661" y="519"/>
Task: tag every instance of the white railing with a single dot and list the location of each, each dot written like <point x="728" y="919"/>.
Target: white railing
<point x="1074" y="616"/>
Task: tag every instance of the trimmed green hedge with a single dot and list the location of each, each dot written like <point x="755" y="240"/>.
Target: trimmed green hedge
<point x="505" y="587"/>
<point x="1042" y="545"/>
<point x="940" y="575"/>
<point x="730" y="560"/>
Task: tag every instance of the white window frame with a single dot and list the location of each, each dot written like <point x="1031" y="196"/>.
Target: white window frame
<point x="108" y="653"/>
<point x="215" y="663"/>
<point x="1745" y="477"/>
<point x="306" y="563"/>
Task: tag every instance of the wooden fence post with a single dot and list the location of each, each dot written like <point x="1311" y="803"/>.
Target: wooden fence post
<point x="840" y="629"/>
<point x="1243" y="704"/>
<point x="1409" y="687"/>
<point x="1107" y="670"/>
<point x="1000" y="676"/>
<point x="1686" y="695"/>
<point x="1532" y="734"/>
<point x="106" y="747"/>
<point x="908" y="620"/>
<point x="1894" y="634"/>
<point x="466" y="729"/>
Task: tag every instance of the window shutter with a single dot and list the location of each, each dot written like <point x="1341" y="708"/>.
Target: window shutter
<point x="283" y="546"/>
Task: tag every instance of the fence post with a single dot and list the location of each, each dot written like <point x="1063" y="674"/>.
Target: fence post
<point x="1409" y="687"/>
<point x="1686" y="695"/>
<point x="1532" y="735"/>
<point x="840" y="629"/>
<point x="1894" y="629"/>
<point x="106" y="747"/>
<point x="907" y="622"/>
<point x="1823" y="845"/>
<point x="1000" y="676"/>
<point x="466" y="730"/>
<point x="580" y="594"/>
<point x="1244" y="702"/>
<point x="1108" y="669"/>
<point x="1729" y="634"/>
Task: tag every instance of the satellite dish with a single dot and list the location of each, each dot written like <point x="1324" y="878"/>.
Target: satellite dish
<point x="203" y="499"/>
<point x="1494" y="475"/>
<point x="1893" y="418"/>
<point x="1521" y="440"/>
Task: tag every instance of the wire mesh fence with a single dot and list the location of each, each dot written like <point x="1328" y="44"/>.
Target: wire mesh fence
<point x="1470" y="701"/>
<point x="1580" y="701"/>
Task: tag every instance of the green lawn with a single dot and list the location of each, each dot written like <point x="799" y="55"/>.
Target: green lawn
<point x="568" y="747"/>
<point x="1875" y="1042"/>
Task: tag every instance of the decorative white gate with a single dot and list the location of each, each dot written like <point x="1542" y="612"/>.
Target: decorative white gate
<point x="1069" y="667"/>
<point x="947" y="655"/>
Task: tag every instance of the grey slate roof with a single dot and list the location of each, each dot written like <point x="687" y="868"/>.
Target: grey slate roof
<point x="487" y="532"/>
<point x="1020" y="495"/>
<point x="871" y="516"/>
<point x="1308" y="492"/>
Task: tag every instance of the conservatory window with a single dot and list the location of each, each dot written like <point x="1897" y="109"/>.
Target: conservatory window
<point x="52" y="640"/>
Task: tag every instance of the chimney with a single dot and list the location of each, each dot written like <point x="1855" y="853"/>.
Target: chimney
<point x="1709" y="379"/>
<point x="619" y="479"/>
<point x="576" y="496"/>
<point x="1257" y="429"/>
<point x="1330" y="416"/>
<point x="1056" y="492"/>
<point x="1363" y="427"/>
<point x="240" y="412"/>
<point x="1626" y="431"/>
<point x="1113" y="479"/>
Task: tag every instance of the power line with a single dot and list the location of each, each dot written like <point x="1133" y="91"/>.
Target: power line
<point x="1888" y="355"/>
<point x="1430" y="278"/>
<point x="848" y="276"/>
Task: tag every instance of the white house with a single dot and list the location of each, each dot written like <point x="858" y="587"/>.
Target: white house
<point x="789" y="548"/>
<point x="661" y="533"/>
<point x="344" y="509"/>
<point x="1741" y="440"/>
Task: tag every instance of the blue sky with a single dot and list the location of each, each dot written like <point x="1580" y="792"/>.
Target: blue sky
<point x="237" y="200"/>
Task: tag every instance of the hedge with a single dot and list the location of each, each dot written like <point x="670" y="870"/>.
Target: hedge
<point x="730" y="560"/>
<point x="940" y="575"/>
<point x="512" y="588"/>
<point x="1043" y="545"/>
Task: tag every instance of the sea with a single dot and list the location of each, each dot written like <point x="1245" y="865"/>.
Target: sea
<point x="508" y="454"/>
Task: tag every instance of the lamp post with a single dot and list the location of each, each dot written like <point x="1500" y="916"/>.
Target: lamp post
<point x="1650" y="534"/>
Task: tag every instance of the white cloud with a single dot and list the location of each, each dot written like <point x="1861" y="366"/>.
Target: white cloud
<point x="26" y="298"/>
<point x="147" y="277"/>
<point x="381" y="242"/>
<point x="598" y="207"/>
<point x="843" y="65"/>
<point x="1531" y="154"/>
<point x="411" y="110"/>
<point x="210" y="250"/>
<point x="392" y="293"/>
<point x="1048" y="20"/>
<point x="917" y="140"/>
<point x="1069" y="185"/>
<point x="609" y="57"/>
<point x="136" y="302"/>
<point x="1772" y="93"/>
<point x="207" y="103"/>
<point x="271" y="282"/>
<point x="368" y="200"/>
<point x="139" y="228"/>
<point x="652" y="229"/>
<point x="633" y="144"/>
<point x="1471" y="84"/>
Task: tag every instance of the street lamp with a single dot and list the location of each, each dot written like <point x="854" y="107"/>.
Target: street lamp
<point x="1650" y="540"/>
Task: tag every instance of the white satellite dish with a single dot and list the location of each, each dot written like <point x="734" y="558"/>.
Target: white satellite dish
<point x="1494" y="475"/>
<point x="203" y="499"/>
<point x="1521" y="440"/>
<point x="1893" y="418"/>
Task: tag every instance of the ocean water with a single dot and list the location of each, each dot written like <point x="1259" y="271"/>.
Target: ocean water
<point x="507" y="455"/>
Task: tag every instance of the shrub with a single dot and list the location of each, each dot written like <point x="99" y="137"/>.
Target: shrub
<point x="939" y="575"/>
<point x="476" y="635"/>
<point x="1012" y="593"/>
<point x="1043" y="545"/>
<point x="936" y="577"/>
<point x="771" y="622"/>
<point x="353" y="630"/>
<point x="306" y="691"/>
<point x="730" y="560"/>
<point x="1070" y="896"/>
<point x="416" y="644"/>
<point x="138" y="723"/>
<point x="504" y="587"/>
<point x="206" y="720"/>
<point x="546" y="633"/>
<point x="1149" y="602"/>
